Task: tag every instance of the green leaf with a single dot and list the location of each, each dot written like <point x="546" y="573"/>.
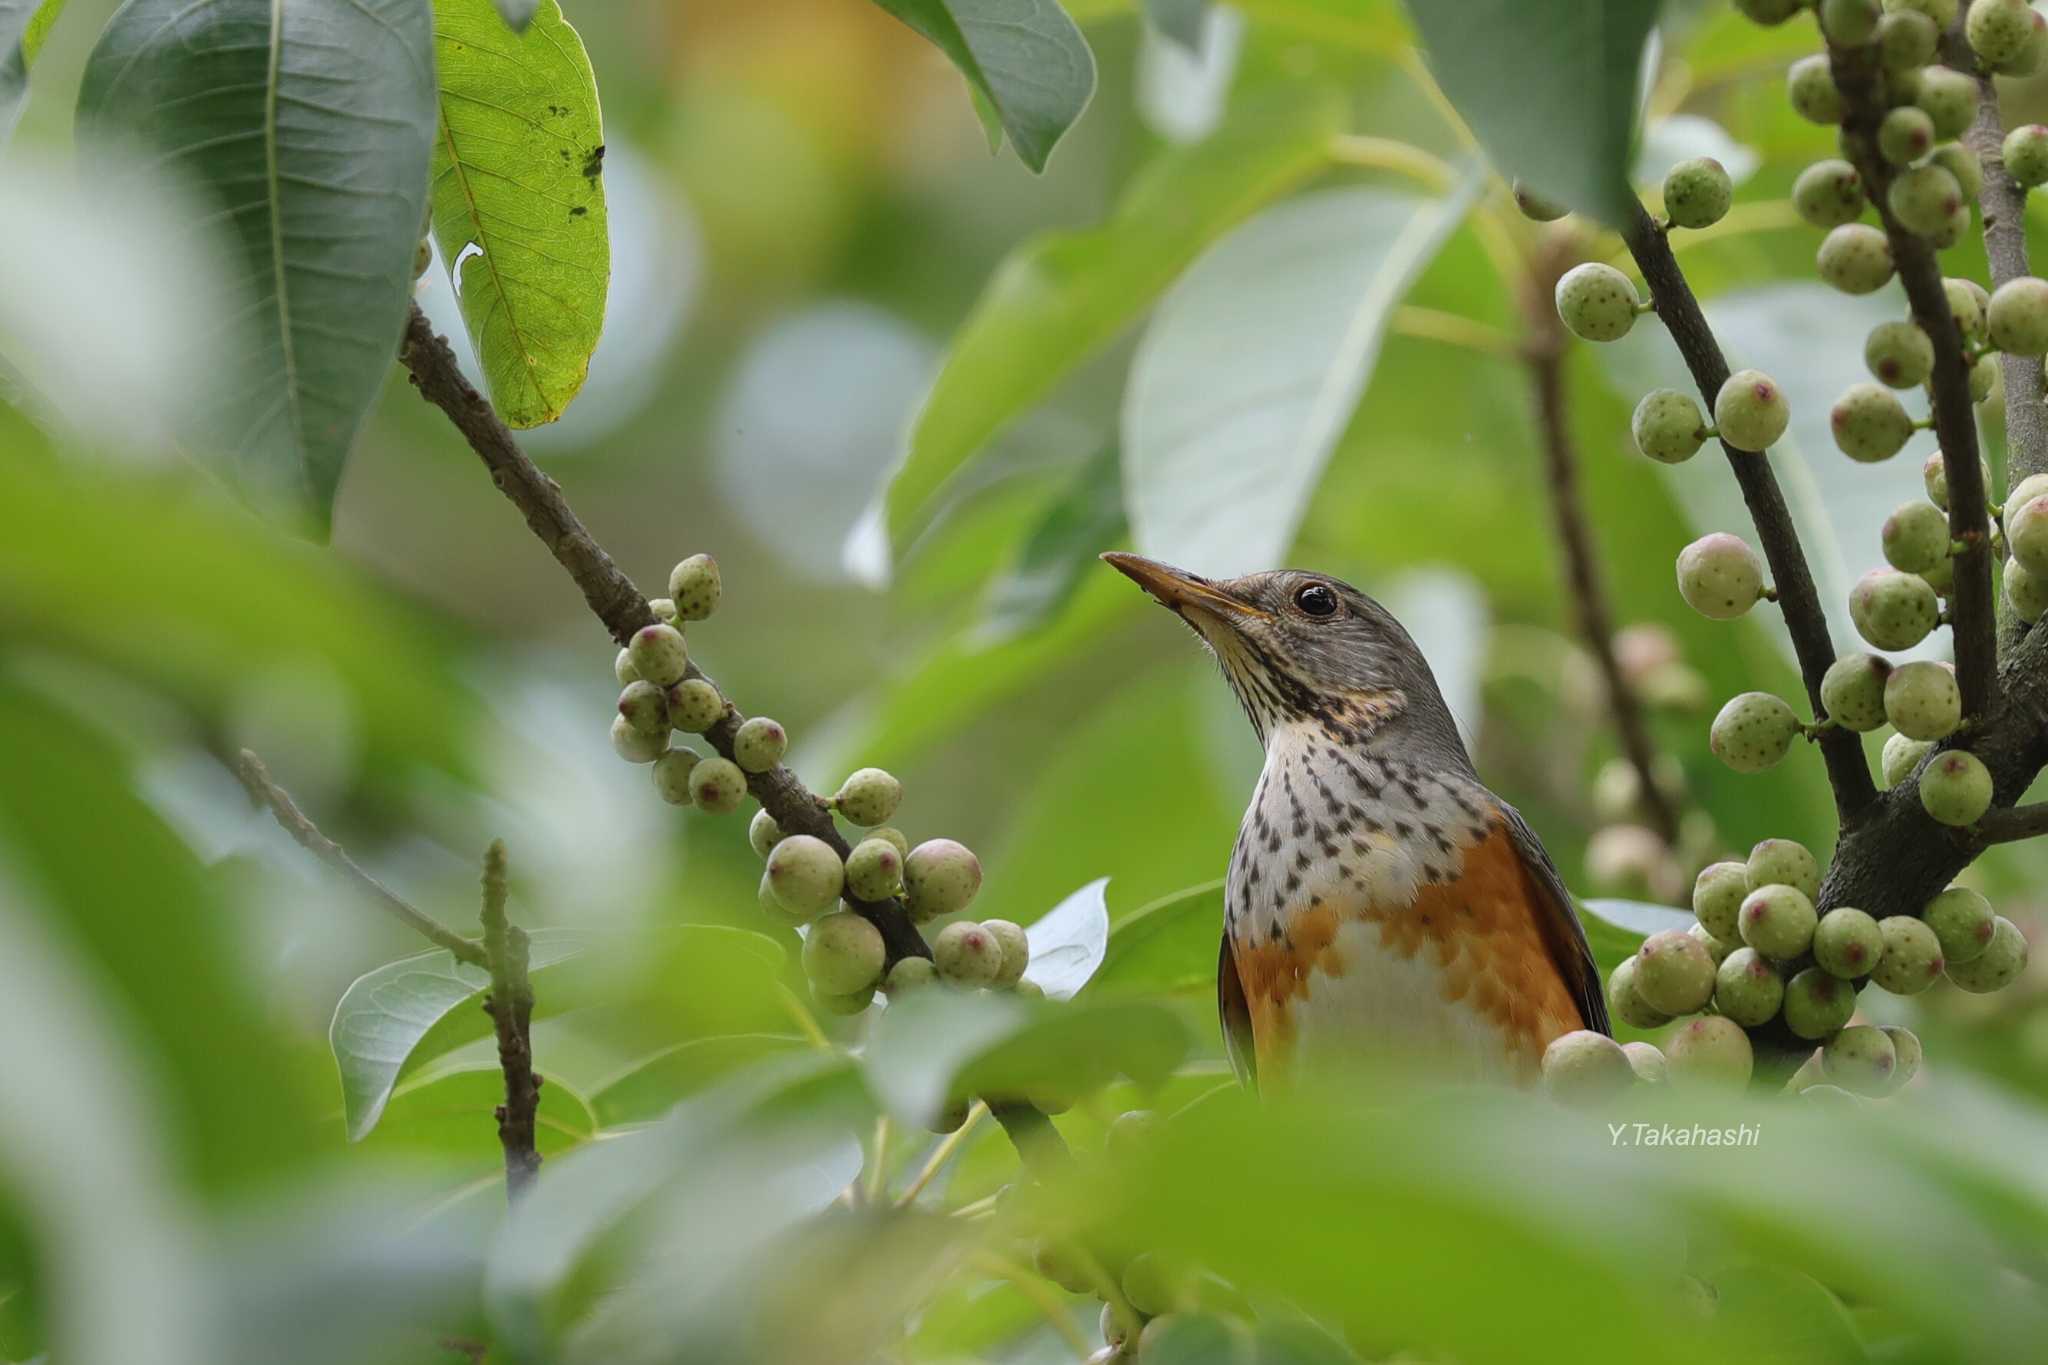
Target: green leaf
<point x="1067" y="941"/>
<point x="519" y="206"/>
<point x="1169" y="945"/>
<point x="1254" y="364"/>
<point x="1180" y="20"/>
<point x="23" y="26"/>
<point x="655" y="1084"/>
<point x="310" y="123"/>
<point x="1548" y="87"/>
<point x="447" y="1112"/>
<point x="1059" y="298"/>
<point x="1024" y="57"/>
<point x="1086" y="518"/>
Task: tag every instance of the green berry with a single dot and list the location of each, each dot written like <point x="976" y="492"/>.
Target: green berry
<point x="1753" y="732"/>
<point x="1055" y="1259"/>
<point x="1942" y="577"/>
<point x="2032" y="55"/>
<point x="694" y="706"/>
<point x="853" y="1002"/>
<point x="1954" y="228"/>
<point x="1719" y="576"/>
<point x="1962" y="163"/>
<point x="1860" y="1059"/>
<point x="1963" y="923"/>
<point x="1668" y="426"/>
<point x="1778" y="921"/>
<point x="1893" y="610"/>
<point x="1922" y="701"/>
<point x="1710" y="1052"/>
<point x="1818" y="1004"/>
<point x="1934" y="474"/>
<point x="1783" y="862"/>
<point x="1941" y="12"/>
<point x="1924" y="199"/>
<point x="868" y="797"/>
<point x="718" y="786"/>
<point x="636" y="746"/>
<point x="1535" y="207"/>
<point x="1967" y="302"/>
<point x="2028" y="593"/>
<point x="1770" y="12"/>
<point x="1956" y="788"/>
<point x="1584" y="1067"/>
<point x="2022" y="493"/>
<point x="672" y="773"/>
<point x="1717" y="899"/>
<point x="1912" y="960"/>
<point x="1906" y="41"/>
<point x="1829" y="193"/>
<point x="664" y="609"/>
<point x="1869" y="423"/>
<point x="623" y="670"/>
<point x="874" y="870"/>
<point x="1153" y="1284"/>
<point x="807" y="876"/>
<point x="1646" y="1061"/>
<point x="2018" y="316"/>
<point x="843" y="954"/>
<point x="894" y="836"/>
<point x="2026" y="155"/>
<point x="1998" y="966"/>
<point x="1987" y="383"/>
<point x="1674" y="972"/>
<point x="763" y="833"/>
<point x="1852" y="690"/>
<point x="1812" y="88"/>
<point x="1748" y="989"/>
<point x="940" y="877"/>
<point x="1131" y="1134"/>
<point x="967" y="954"/>
<point x="1855" y="258"/>
<point x="659" y="654"/>
<point x="1847" y="943"/>
<point x="1906" y="1047"/>
<point x="1016" y="946"/>
<point x="908" y="974"/>
<point x="1625" y="1004"/>
<point x="1998" y="30"/>
<point x="1750" y="411"/>
<point x="1697" y="192"/>
<point x="2026" y="535"/>
<point x="645" y="708"/>
<point x="1899" y="354"/>
<point x="694" y="585"/>
<point x="759" y="743"/>
<point x="1901" y="756"/>
<point x="1906" y="135"/>
<point x="1717" y="951"/>
<point x="1915" y="537"/>
<point x="1849" y="23"/>
<point x="1950" y="99"/>
<point x="1597" y="302"/>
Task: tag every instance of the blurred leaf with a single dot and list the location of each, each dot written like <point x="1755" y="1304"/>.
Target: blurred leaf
<point x="1180" y="20"/>
<point x="1549" y="87"/>
<point x="1295" y="1342"/>
<point x="1058" y="298"/>
<point x="1168" y="946"/>
<point x="656" y="1084"/>
<point x="1025" y="57"/>
<point x="518" y="175"/>
<point x="1086" y="518"/>
<point x="1678" y="137"/>
<point x="1067" y="941"/>
<point x="449" y="1111"/>
<point x="517" y="13"/>
<point x="23" y="26"/>
<point x="311" y="126"/>
<point x="1254" y="364"/>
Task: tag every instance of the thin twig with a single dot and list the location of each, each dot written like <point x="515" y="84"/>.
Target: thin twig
<point x="2008" y="826"/>
<point x="941" y="1154"/>
<point x="510" y="1005"/>
<point x="265" y="792"/>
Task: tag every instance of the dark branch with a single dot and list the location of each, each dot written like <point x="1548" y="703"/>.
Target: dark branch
<point x="2004" y="206"/>
<point x="1842" y="751"/>
<point x="510" y="1005"/>
<point x="256" y="778"/>
<point x="2019" y="822"/>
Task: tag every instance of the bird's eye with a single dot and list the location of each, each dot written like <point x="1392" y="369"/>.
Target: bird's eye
<point x="1316" y="600"/>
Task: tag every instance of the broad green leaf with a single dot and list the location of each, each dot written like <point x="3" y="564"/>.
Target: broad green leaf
<point x="1548" y="87"/>
<point x="656" y="1084"/>
<point x="448" y="1112"/>
<point x="23" y="26"/>
<point x="1024" y="57"/>
<point x="1254" y="364"/>
<point x="310" y="123"/>
<point x="1067" y="941"/>
<point x="519" y="205"/>
<point x="1167" y="946"/>
<point x="1060" y="298"/>
<point x="1083" y="520"/>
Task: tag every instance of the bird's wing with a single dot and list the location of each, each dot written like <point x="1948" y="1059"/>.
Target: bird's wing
<point x="1559" y="923"/>
<point x="1237" y="1018"/>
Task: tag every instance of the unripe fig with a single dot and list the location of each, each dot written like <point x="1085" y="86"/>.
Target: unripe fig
<point x="1055" y="1259"/>
<point x="2022" y="493"/>
<point x="1998" y="966"/>
<point x="2026" y="155"/>
<point x="623" y="670"/>
<point x="1892" y="610"/>
<point x="763" y="833"/>
<point x="874" y="870"/>
<point x="1668" y="426"/>
<point x="1783" y="862"/>
<point x="1750" y="410"/>
<point x="694" y="706"/>
<point x="1708" y="1053"/>
<point x="1906" y="1049"/>
<point x="1869" y="423"/>
<point x="664" y="609"/>
<point x="1912" y="959"/>
<point x="940" y="877"/>
<point x="1860" y="1059"/>
<point x="1753" y="732"/>
<point x="1855" y="258"/>
<point x="1770" y="12"/>
<point x="1535" y="207"/>
<point x="1987" y="381"/>
<point x="1847" y="943"/>
<point x="1829" y="193"/>
<point x="1625" y="1004"/>
<point x="1717" y="951"/>
<point x="853" y="1002"/>
<point x="806" y="875"/>
<point x="759" y="744"/>
<point x="1748" y="989"/>
<point x="1646" y="1061"/>
<point x="694" y="586"/>
<point x="1717" y="899"/>
<point x="1955" y="227"/>
<point x="967" y="954"/>
<point x="1674" y="972"/>
<point x="1942" y="577"/>
<point x="869" y="796"/>
<point x="2027" y="593"/>
<point x="2026" y="535"/>
<point x="672" y="772"/>
<point x="1962" y="163"/>
<point x="1924" y="199"/>
<point x="1899" y="354"/>
<point x="718" y="786"/>
<point x="1812" y="88"/>
<point x="1115" y="1334"/>
<point x="1949" y="97"/>
<point x="645" y="708"/>
<point x="1906" y="135"/>
<point x="1153" y="1284"/>
<point x="1583" y="1067"/>
<point x="908" y="974"/>
<point x="1852" y="690"/>
<point x="2018" y="316"/>
<point x="1915" y="537"/>
<point x="1922" y="701"/>
<point x="1999" y="29"/>
<point x="1597" y="302"/>
<point x="1016" y="946"/>
<point x="894" y="836"/>
<point x="1719" y="576"/>
<point x="1778" y="921"/>
<point x="1963" y="924"/>
<point x="636" y="746"/>
<point x="1697" y="192"/>
<point x="659" y="654"/>
<point x="1901" y="756"/>
<point x="1818" y="1004"/>
<point x="843" y="954"/>
<point x="1967" y="304"/>
<point x="1906" y="41"/>
<point x="1956" y="788"/>
<point x="1934" y="473"/>
<point x="2032" y="55"/>
<point x="1849" y="23"/>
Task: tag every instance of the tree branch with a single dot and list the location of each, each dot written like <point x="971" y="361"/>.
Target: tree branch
<point x="510" y="1005"/>
<point x="265" y="792"/>
<point x="2004" y="206"/>
<point x="2015" y="823"/>
<point x="1842" y="751"/>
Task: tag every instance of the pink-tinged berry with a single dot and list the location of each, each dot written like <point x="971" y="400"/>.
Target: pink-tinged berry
<point x="2026" y="534"/>
<point x="1962" y="163"/>
<point x="1912" y="960"/>
<point x="1905" y="135"/>
<point x="1717" y="899"/>
<point x="1852" y="690"/>
<point x="759" y="744"/>
<point x="1915" y="537"/>
<point x="718" y="786"/>
<point x="1901" y="756"/>
<point x="1753" y="732"/>
<point x="806" y="876"/>
<point x="694" y="706"/>
<point x="967" y="955"/>
<point x="1963" y="923"/>
<point x="672" y="773"/>
<point x="1697" y="192"/>
<point x="1829" y="193"/>
<point x="1855" y="258"/>
<point x="645" y="708"/>
<point x="1748" y="989"/>
<point x="1924" y="199"/>
<point x="1869" y="423"/>
<point x="874" y="870"/>
<point x="1710" y="1052"/>
<point x="1956" y="789"/>
<point x="1535" y="207"/>
<point x="1585" y="1068"/>
<point x="1899" y="354"/>
<point x="1674" y="972"/>
<point x="1624" y="1002"/>
<point x="1893" y="610"/>
<point x="940" y="877"/>
<point x="1016" y="946"/>
<point x="1849" y="23"/>
<point x="1719" y="576"/>
<point x="636" y="746"/>
<point x="1597" y="302"/>
<point x="1998" y="30"/>
<point x="909" y="974"/>
<point x="659" y="654"/>
<point x="1778" y="921"/>
<point x="843" y="954"/>
<point x="1750" y="411"/>
<point x="1647" y="1062"/>
<point x="1818" y="1004"/>
<point x="1906" y="1046"/>
<point x="1814" y="94"/>
<point x="1783" y="862"/>
<point x="1949" y="97"/>
<point x="2027" y="593"/>
<point x="1922" y="701"/>
<point x="1906" y="41"/>
<point x="1860" y="1059"/>
<point x="1998" y="966"/>
<point x="1668" y="426"/>
<point x="2018" y="317"/>
<point x="694" y="587"/>
<point x="1847" y="943"/>
<point x="763" y="833"/>
<point x="868" y="797"/>
<point x="2026" y="155"/>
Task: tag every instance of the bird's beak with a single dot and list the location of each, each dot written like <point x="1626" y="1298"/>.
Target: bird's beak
<point x="1178" y="590"/>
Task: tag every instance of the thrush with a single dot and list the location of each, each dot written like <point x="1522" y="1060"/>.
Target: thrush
<point x="1380" y="900"/>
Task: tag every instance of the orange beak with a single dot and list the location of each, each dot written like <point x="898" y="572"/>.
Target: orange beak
<point x="1178" y="590"/>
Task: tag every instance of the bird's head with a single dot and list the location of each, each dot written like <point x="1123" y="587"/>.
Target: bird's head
<point x="1300" y="648"/>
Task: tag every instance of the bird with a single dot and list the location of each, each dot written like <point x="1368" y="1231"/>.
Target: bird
<point x="1381" y="903"/>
